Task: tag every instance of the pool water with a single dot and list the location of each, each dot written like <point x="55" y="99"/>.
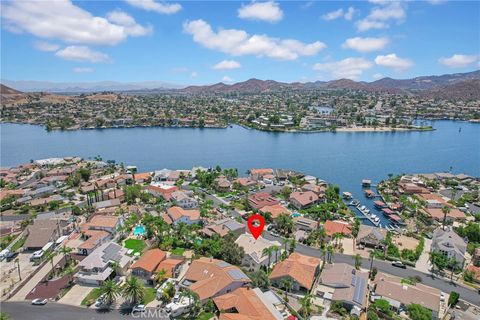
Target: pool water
<point x="139" y="230"/>
<point x="295" y="215"/>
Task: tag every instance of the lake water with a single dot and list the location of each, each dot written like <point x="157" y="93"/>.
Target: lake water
<point x="340" y="158"/>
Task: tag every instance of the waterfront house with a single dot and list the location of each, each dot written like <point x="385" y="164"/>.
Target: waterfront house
<point x="371" y="236"/>
<point x="450" y="244"/>
<point x="246" y="303"/>
<point x="96" y="267"/>
<point x="318" y="190"/>
<point x="253" y="248"/>
<point x="261" y="199"/>
<point x="301" y="269"/>
<point x="400" y="294"/>
<point x="305" y="224"/>
<point x="210" y="278"/>
<point x="453" y="214"/>
<point x="222" y="184"/>
<point x="302" y="200"/>
<point x="258" y="174"/>
<point x="143" y="177"/>
<point x="342" y="282"/>
<point x="184" y="201"/>
<point x="146" y="266"/>
<point x="161" y="175"/>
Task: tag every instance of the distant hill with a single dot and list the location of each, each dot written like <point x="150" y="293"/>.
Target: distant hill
<point x="465" y="90"/>
<point x="8" y="90"/>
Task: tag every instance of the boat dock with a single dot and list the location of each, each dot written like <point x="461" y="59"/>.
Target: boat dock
<point x="365" y="212"/>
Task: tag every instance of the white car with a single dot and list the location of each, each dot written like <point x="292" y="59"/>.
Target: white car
<point x="139" y="308"/>
<point x="39" y="302"/>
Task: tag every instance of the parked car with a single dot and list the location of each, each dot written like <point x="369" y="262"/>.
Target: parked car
<point x="39" y="302"/>
<point x="139" y="308"/>
<point x="399" y="264"/>
<point x="10" y="256"/>
<point x="176" y="298"/>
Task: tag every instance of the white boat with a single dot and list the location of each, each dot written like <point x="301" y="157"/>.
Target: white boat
<point x="362" y="208"/>
<point x="373" y="216"/>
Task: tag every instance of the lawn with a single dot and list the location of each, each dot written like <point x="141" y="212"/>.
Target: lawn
<point x="178" y="251"/>
<point x="205" y="316"/>
<point x="150" y="294"/>
<point x="135" y="244"/>
<point x="92" y="296"/>
<point x="20" y="242"/>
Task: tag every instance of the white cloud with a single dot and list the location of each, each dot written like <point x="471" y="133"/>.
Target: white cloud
<point x="266" y="11"/>
<point x="380" y="14"/>
<point x="131" y="27"/>
<point x="46" y="46"/>
<point x="227" y="79"/>
<point x="333" y="15"/>
<point x="378" y="76"/>
<point x="365" y="24"/>
<point x="366" y="44"/>
<point x="83" y="70"/>
<point x="347" y="14"/>
<point x="458" y="61"/>
<point x="63" y="20"/>
<point x="151" y="5"/>
<point x="437" y="2"/>
<point x="349" y="68"/>
<point x="194" y="74"/>
<point x="238" y="42"/>
<point x="393" y="62"/>
<point x="82" y="53"/>
<point x="227" y="65"/>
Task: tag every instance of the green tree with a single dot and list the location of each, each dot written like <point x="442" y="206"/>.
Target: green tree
<point x="418" y="312"/>
<point x="66" y="251"/>
<point x="438" y="260"/>
<point x="306" y="303"/>
<point x="268" y="252"/>
<point x="260" y="279"/>
<point x="285" y="224"/>
<point x="453" y="298"/>
<point x="50" y="257"/>
<point x="358" y="261"/>
<point x="133" y="290"/>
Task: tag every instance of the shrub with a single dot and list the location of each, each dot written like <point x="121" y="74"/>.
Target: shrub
<point x="453" y="299"/>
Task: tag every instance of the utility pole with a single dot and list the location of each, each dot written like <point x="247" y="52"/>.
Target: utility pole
<point x="18" y="268"/>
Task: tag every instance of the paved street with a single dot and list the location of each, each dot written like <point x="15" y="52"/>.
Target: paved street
<point x="56" y="311"/>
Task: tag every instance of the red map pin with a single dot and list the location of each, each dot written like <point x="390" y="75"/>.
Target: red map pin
<point x="256" y="228"/>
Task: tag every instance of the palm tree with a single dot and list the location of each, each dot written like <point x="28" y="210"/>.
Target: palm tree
<point x="133" y="290"/>
<point x="50" y="257"/>
<point x="276" y="249"/>
<point x="330" y="253"/>
<point x="285" y="224"/>
<point x="66" y="251"/>
<point x="115" y="265"/>
<point x="446" y="210"/>
<point x="286" y="284"/>
<point x="160" y="276"/>
<point x="268" y="252"/>
<point x="70" y="272"/>
<point x="358" y="261"/>
<point x="194" y="305"/>
<point x="111" y="291"/>
<point x="454" y="265"/>
<point x="306" y="303"/>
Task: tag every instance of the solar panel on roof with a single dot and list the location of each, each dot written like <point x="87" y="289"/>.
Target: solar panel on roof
<point x="358" y="295"/>
<point x="223" y="264"/>
<point x="236" y="274"/>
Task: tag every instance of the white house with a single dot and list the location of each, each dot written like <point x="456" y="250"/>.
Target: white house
<point x="182" y="200"/>
<point x="254" y="257"/>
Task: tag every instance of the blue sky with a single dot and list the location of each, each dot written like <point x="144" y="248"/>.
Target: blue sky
<point x="200" y="42"/>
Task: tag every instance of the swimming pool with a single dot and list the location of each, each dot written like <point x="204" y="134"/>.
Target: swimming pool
<point x="139" y="230"/>
<point x="295" y="215"/>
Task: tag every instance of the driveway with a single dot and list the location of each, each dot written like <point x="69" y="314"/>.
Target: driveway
<point x="423" y="265"/>
<point x="75" y="296"/>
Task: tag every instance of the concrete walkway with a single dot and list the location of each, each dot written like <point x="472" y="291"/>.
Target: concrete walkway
<point x="32" y="283"/>
<point x="423" y="265"/>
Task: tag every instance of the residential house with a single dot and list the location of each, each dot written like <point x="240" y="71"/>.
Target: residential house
<point x="172" y="267"/>
<point x="453" y="214"/>
<point x="96" y="267"/>
<point x="106" y="204"/>
<point x="42" y="232"/>
<point x="246" y="303"/>
<point x="253" y="248"/>
<point x="400" y="294"/>
<point x="275" y="210"/>
<point x="305" y="224"/>
<point x="223" y="227"/>
<point x="145" y="267"/>
<point x="161" y="175"/>
<point x="301" y="269"/>
<point x="449" y="244"/>
<point x="302" y="200"/>
<point x="176" y="215"/>
<point x="184" y="201"/>
<point x="342" y="282"/>
<point x="261" y="199"/>
<point x="258" y="174"/>
<point x="245" y="182"/>
<point x="222" y="184"/>
<point x="333" y="227"/>
<point x="210" y="278"/>
<point x="161" y="190"/>
<point x="318" y="190"/>
<point x="142" y="177"/>
<point x="371" y="236"/>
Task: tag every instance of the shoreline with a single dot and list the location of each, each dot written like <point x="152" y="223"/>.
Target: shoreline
<point x="339" y="129"/>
